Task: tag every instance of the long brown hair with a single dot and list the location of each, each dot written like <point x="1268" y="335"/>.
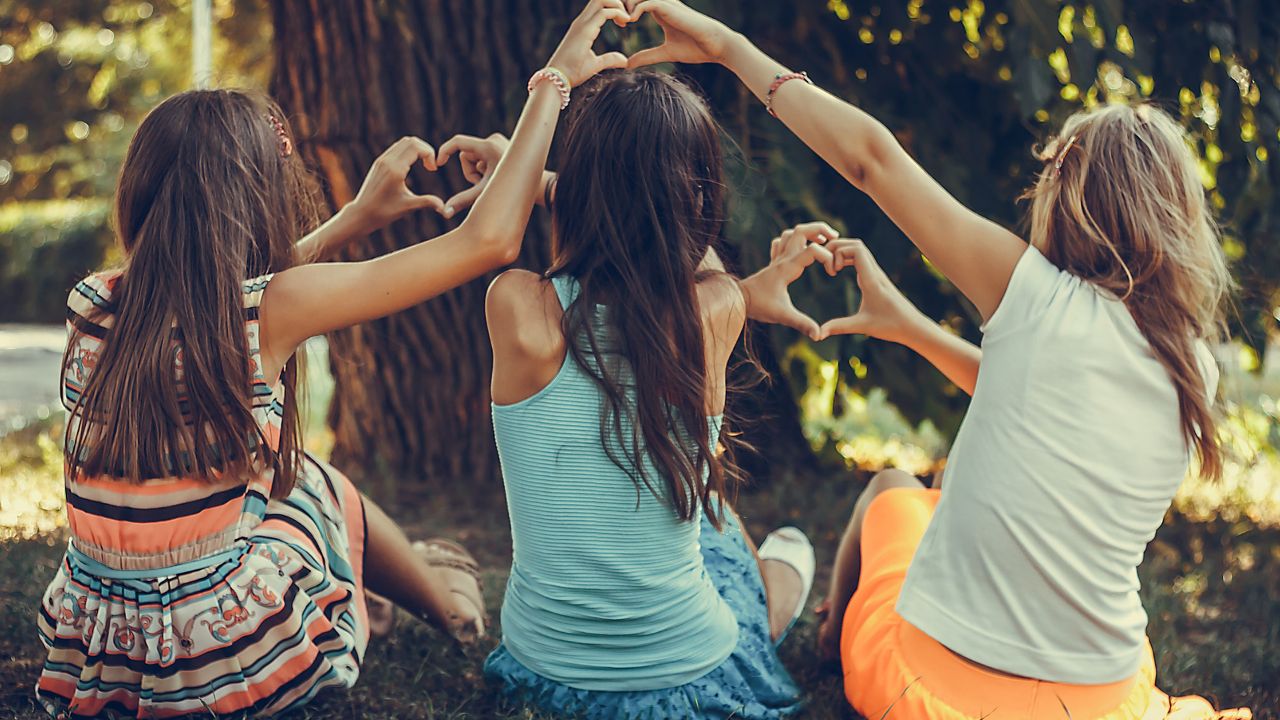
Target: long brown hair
<point x="1119" y="203"/>
<point x="207" y="198"/>
<point x="639" y="201"/>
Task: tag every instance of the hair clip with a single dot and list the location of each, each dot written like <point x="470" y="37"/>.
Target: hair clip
<point x="286" y="145"/>
<point x="1062" y="155"/>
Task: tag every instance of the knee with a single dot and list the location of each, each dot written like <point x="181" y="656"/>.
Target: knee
<point x="891" y="478"/>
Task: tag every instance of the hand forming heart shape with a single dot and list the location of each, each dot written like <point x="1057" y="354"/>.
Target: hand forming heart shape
<point x="688" y="35"/>
<point x="884" y="312"/>
<point x="384" y="196"/>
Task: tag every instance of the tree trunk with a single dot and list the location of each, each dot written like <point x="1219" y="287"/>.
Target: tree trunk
<point x="411" y="397"/>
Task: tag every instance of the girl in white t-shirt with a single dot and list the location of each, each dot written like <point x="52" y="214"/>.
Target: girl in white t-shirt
<point x="1095" y="390"/>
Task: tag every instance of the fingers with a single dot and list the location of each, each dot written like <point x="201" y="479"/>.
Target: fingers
<point x="791" y="247"/>
<point x="409" y="150"/>
<point x="599" y="12"/>
<point x="818" y="232"/>
<point x="818" y="253"/>
<point x="473" y="169"/>
<point x="456" y="144"/>
<point x="619" y="16"/>
<point x="853" y="253"/>
<point x="595" y="7"/>
<point x="647" y="6"/>
<point x="793" y="240"/>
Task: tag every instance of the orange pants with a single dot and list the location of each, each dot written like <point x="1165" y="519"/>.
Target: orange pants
<point x="894" y="670"/>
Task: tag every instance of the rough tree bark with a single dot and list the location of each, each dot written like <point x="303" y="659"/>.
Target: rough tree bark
<point x="411" y="396"/>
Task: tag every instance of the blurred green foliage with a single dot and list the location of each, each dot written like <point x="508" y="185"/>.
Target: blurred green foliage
<point x="76" y="77"/>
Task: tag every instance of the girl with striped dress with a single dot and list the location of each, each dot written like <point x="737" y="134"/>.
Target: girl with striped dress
<point x="213" y="567"/>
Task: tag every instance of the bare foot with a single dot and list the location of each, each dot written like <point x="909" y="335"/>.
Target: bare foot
<point x="382" y="614"/>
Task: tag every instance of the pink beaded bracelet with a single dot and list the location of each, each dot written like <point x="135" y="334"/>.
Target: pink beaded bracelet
<point x="778" y="81"/>
<point x="555" y="77"/>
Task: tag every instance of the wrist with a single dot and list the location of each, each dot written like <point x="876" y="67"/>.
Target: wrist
<point x="733" y="51"/>
<point x="747" y="286"/>
<point x="353" y="220"/>
<point x="554" y="77"/>
<point x="916" y="327"/>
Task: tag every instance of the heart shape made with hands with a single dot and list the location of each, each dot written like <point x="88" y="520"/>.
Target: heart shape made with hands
<point x="883" y="309"/>
<point x="688" y="35"/>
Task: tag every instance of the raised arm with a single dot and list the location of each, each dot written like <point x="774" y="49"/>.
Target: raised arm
<point x="977" y="255"/>
<point x="311" y="300"/>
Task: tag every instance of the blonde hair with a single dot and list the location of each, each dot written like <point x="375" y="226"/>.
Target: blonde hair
<point x="1119" y="203"/>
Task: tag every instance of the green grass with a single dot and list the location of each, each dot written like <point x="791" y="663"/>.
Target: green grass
<point x="1212" y="589"/>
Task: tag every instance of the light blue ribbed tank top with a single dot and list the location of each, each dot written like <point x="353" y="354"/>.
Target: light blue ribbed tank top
<point x="607" y="588"/>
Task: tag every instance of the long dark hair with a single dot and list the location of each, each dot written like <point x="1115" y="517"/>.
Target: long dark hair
<point x="206" y="199"/>
<point x="1120" y="204"/>
<point x="639" y="201"/>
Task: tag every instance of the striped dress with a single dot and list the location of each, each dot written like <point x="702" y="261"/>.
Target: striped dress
<point x="181" y="596"/>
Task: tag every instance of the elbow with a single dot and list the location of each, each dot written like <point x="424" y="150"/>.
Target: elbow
<point x="866" y="154"/>
<point x="501" y="241"/>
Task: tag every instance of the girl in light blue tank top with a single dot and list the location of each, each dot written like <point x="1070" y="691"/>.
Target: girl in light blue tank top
<point x="633" y="592"/>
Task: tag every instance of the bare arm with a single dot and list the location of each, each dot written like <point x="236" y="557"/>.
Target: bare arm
<point x="339" y="230"/>
<point x="311" y="300"/>
<point x="974" y="253"/>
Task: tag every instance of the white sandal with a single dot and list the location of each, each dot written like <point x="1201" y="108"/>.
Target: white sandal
<point x="790" y="545"/>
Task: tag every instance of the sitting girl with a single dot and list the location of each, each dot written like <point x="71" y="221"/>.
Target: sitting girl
<point x="212" y="567"/>
<point x="1095" y="389"/>
<point x="634" y="591"/>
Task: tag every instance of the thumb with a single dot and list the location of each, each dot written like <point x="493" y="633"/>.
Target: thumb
<point x="850" y="325"/>
<point x="612" y="60"/>
<point x="461" y="201"/>
<point x="793" y="318"/>
<point x="420" y="202"/>
<point x="649" y="56"/>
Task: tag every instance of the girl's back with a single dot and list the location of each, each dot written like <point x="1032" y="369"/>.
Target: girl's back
<point x="633" y="590"/>
<point x="607" y="587"/>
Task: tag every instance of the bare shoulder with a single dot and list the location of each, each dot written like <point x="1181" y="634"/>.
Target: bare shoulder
<point x="524" y="313"/>
<point x="723" y="309"/>
<point x="524" y="328"/>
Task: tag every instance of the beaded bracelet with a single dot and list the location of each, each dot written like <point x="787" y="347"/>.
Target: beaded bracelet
<point x="778" y="81"/>
<point x="555" y="77"/>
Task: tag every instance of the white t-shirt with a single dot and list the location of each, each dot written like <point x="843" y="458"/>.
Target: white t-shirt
<point x="1062" y="471"/>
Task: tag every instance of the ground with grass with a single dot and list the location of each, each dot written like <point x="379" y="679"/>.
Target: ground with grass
<point x="1211" y="585"/>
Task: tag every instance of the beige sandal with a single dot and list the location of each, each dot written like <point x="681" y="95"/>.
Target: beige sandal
<point x="461" y="575"/>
